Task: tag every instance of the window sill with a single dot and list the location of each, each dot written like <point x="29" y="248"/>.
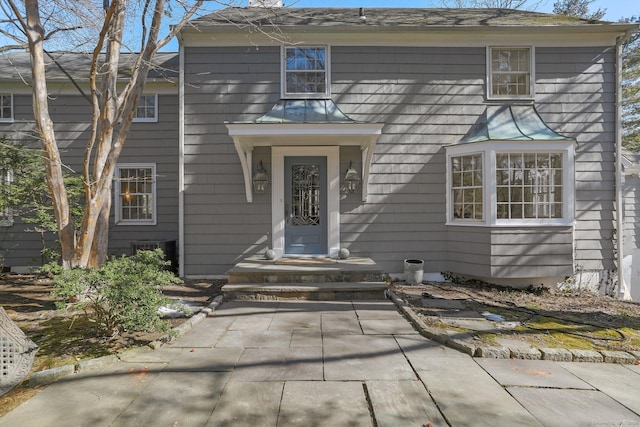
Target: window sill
<point x="133" y="222"/>
<point x="511" y="224"/>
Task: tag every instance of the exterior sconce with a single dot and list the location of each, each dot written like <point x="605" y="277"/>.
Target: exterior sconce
<point x="351" y="180"/>
<point x="260" y="180"/>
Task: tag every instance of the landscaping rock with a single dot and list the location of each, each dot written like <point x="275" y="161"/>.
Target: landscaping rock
<point x="462" y="346"/>
<point x="97" y="362"/>
<point x="556" y="354"/>
<point x="635" y="354"/>
<point x="526" y="353"/>
<point x="50" y="375"/>
<point x="586" y="356"/>
<point x="617" y="356"/>
<point x="491" y="352"/>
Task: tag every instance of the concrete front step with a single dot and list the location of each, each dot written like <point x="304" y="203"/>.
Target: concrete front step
<point x="327" y="291"/>
<point x="295" y="271"/>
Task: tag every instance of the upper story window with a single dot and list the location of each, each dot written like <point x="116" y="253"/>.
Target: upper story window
<point x="510" y="72"/>
<point x="147" y="109"/>
<point x="305" y="72"/>
<point x="6" y="217"/>
<point x="135" y="189"/>
<point x="6" y="107"/>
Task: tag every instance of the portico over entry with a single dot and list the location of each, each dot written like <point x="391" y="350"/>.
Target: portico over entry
<point x="304" y="123"/>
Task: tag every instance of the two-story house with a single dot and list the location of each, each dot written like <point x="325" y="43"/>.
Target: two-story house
<point x="482" y="141"/>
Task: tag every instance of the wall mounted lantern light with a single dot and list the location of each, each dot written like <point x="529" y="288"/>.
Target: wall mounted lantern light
<point x="351" y="179"/>
<point x="260" y="180"/>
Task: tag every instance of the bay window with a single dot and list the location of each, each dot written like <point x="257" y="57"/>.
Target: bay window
<point x="522" y="184"/>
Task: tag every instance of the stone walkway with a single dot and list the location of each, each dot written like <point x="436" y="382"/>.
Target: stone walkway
<point x="329" y="364"/>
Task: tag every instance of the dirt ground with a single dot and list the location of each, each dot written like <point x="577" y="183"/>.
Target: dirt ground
<point x="64" y="338"/>
<point x="541" y="318"/>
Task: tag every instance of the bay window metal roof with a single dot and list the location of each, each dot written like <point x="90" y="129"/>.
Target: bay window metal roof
<point x="305" y="111"/>
<point x="512" y="123"/>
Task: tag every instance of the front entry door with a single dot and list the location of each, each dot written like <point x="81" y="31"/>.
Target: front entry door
<point x="305" y="205"/>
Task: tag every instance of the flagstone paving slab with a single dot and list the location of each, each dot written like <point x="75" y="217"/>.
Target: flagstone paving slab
<point x="286" y="321"/>
<point x="252" y="323"/>
<point x="254" y="404"/>
<point x="207" y="335"/>
<point x="306" y="338"/>
<point x="259" y="339"/>
<point x="246" y="308"/>
<point x="324" y="403"/>
<point x="364" y="357"/>
<point x="279" y="364"/>
<point x="368" y="310"/>
<point x="74" y="400"/>
<point x="468" y="396"/>
<point x="175" y="398"/>
<point x="205" y="360"/>
<point x="340" y="323"/>
<point x="160" y="355"/>
<point x="531" y="373"/>
<point x="617" y="381"/>
<point x="387" y="327"/>
<point x="416" y="348"/>
<point x="403" y="403"/>
<point x="564" y="408"/>
<point x="302" y="306"/>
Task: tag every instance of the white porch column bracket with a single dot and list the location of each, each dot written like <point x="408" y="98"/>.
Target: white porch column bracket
<point x="245" y="153"/>
<point x="367" y="156"/>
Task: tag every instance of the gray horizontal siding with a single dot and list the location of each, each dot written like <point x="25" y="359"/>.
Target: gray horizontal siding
<point x="146" y="143"/>
<point x="577" y="98"/>
<point x="426" y="98"/>
<point x="631" y="213"/>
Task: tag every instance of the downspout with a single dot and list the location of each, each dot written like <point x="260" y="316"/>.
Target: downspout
<point x="181" y="161"/>
<point x="623" y="288"/>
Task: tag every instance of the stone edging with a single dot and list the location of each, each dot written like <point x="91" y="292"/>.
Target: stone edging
<point x="49" y="376"/>
<point x="494" y="352"/>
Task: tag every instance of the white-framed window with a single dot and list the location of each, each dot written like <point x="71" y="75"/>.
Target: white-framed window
<point x="147" y="109"/>
<point x="523" y="184"/>
<point x="6" y="214"/>
<point x="305" y="72"/>
<point x="135" y="194"/>
<point x="510" y="72"/>
<point x="6" y="107"/>
<point x="529" y="185"/>
<point x="467" y="187"/>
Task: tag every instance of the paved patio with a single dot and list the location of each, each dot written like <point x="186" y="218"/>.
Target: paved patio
<point x="330" y="364"/>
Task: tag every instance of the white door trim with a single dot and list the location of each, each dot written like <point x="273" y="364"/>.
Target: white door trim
<point x="332" y="154"/>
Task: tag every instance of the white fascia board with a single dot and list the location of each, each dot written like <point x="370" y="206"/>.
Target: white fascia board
<point x="450" y="37"/>
<point x="304" y="129"/>
<point x="18" y="87"/>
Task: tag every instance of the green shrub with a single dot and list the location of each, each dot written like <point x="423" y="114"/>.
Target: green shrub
<point x="122" y="295"/>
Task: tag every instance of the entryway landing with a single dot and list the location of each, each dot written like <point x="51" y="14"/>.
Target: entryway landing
<point x="305" y="278"/>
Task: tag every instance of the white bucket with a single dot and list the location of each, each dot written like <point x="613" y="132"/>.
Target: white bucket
<point x="413" y="271"/>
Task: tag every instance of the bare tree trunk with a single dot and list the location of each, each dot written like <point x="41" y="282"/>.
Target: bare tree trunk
<point x="113" y="113"/>
<point x="44" y="124"/>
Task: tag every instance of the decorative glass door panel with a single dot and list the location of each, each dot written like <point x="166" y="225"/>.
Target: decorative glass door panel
<point x="305" y="206"/>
